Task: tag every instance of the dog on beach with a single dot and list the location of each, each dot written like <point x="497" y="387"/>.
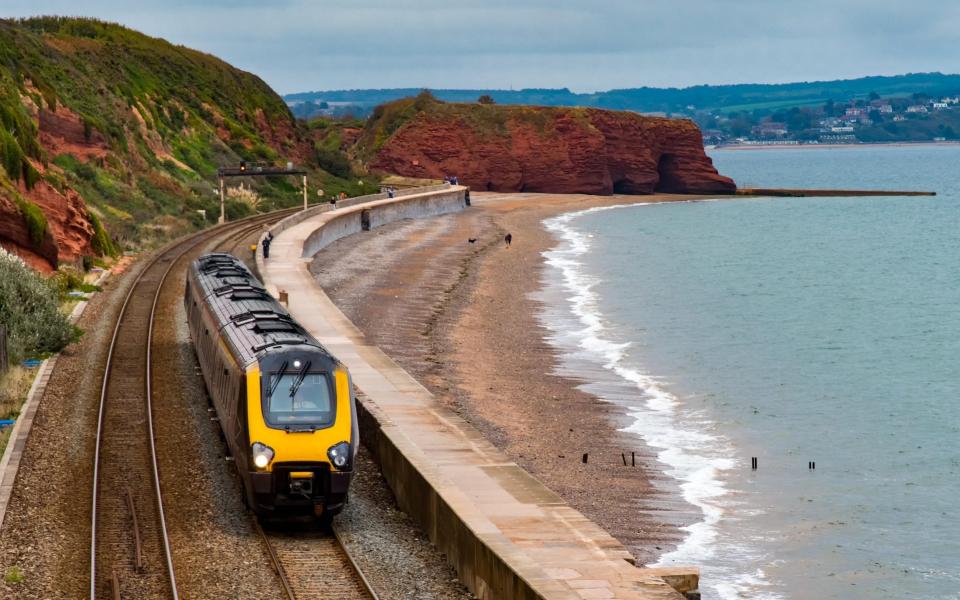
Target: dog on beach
<point x="472" y="240"/>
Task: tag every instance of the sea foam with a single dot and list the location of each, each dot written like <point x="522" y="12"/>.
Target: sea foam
<point x="692" y="454"/>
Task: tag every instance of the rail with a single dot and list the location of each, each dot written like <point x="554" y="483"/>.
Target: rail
<point x="172" y="253"/>
<point x="360" y="586"/>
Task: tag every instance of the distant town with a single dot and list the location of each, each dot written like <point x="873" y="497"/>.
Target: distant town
<point x="871" y="120"/>
<point x="915" y="107"/>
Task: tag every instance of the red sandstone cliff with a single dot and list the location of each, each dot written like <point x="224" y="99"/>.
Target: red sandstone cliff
<point x="15" y="238"/>
<point x="69" y="228"/>
<point x="542" y="149"/>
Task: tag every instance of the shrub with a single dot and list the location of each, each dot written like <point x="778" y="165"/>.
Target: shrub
<point x="65" y="280"/>
<point x="236" y="210"/>
<point x="29" y="309"/>
<point x="424" y="99"/>
<point x="334" y="162"/>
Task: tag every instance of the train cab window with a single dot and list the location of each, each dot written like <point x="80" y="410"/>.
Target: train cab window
<point x="299" y="401"/>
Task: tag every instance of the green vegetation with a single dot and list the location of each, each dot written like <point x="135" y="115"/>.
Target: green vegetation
<point x="68" y="279"/>
<point x="29" y="307"/>
<point x="147" y="125"/>
<point x="35" y="219"/>
<point x="102" y="244"/>
<point x="13" y="575"/>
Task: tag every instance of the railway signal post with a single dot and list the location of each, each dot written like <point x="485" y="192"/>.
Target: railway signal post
<point x="256" y="170"/>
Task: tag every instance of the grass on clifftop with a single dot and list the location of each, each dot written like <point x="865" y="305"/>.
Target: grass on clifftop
<point x="484" y="120"/>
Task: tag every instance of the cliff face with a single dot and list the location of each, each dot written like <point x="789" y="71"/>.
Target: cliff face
<point x="103" y="129"/>
<point x="541" y="149"/>
<point x="41" y="254"/>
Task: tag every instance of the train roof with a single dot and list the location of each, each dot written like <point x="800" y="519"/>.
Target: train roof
<point x="249" y="318"/>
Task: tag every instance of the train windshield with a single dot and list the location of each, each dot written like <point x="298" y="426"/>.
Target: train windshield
<point x="297" y="403"/>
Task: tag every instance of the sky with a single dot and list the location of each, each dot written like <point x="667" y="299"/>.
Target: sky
<point x="586" y="45"/>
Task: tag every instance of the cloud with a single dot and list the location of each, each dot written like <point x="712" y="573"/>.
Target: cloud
<point x="297" y="45"/>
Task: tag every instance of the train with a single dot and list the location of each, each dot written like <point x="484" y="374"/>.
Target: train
<point x="285" y="404"/>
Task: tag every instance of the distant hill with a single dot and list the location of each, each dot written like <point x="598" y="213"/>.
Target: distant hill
<point x="648" y="99"/>
<point x="111" y="139"/>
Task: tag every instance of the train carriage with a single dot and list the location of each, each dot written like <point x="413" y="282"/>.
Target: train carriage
<point x="284" y="403"/>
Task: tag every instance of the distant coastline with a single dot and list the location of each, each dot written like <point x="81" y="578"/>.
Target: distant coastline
<point x="819" y="146"/>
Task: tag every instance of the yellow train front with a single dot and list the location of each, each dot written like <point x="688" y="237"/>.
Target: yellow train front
<point x="284" y="403"/>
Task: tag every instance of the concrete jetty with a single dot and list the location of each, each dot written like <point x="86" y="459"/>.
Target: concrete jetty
<point x="507" y="535"/>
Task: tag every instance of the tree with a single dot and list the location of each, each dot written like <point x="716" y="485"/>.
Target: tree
<point x="486" y="99"/>
<point x="740" y="126"/>
<point x="832" y="109"/>
<point x="874" y="96"/>
<point x="876" y="116"/>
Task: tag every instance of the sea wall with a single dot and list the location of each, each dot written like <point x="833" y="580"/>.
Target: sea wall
<point x="360" y="216"/>
<point x="504" y="532"/>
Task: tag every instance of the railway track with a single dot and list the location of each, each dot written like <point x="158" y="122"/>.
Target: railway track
<point x="313" y="562"/>
<point x="310" y="561"/>
<point x="130" y="554"/>
<point x="130" y="551"/>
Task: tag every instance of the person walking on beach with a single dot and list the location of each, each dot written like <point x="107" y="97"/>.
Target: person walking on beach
<point x="508" y="238"/>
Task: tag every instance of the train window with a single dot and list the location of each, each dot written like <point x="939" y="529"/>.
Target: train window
<point x="308" y="404"/>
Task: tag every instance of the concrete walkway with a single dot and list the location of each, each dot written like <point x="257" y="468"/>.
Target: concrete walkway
<point x="507" y="534"/>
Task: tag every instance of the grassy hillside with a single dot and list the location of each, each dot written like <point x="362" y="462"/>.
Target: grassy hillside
<point x="137" y="127"/>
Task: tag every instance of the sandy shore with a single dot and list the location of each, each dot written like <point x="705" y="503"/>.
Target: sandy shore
<point x="460" y="318"/>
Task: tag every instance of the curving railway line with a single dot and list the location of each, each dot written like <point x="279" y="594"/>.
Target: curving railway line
<point x="130" y="551"/>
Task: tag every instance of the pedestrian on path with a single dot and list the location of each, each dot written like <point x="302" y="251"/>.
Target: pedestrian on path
<point x="266" y="245"/>
<point x="508" y="238"/>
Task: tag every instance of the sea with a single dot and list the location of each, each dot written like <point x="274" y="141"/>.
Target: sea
<point x="819" y="336"/>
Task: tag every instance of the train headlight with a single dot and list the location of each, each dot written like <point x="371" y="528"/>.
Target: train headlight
<point x="262" y="455"/>
<point x="339" y="455"/>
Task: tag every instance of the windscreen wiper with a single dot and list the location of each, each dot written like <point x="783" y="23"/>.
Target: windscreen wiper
<point x="296" y="384"/>
<point x="276" y="382"/>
